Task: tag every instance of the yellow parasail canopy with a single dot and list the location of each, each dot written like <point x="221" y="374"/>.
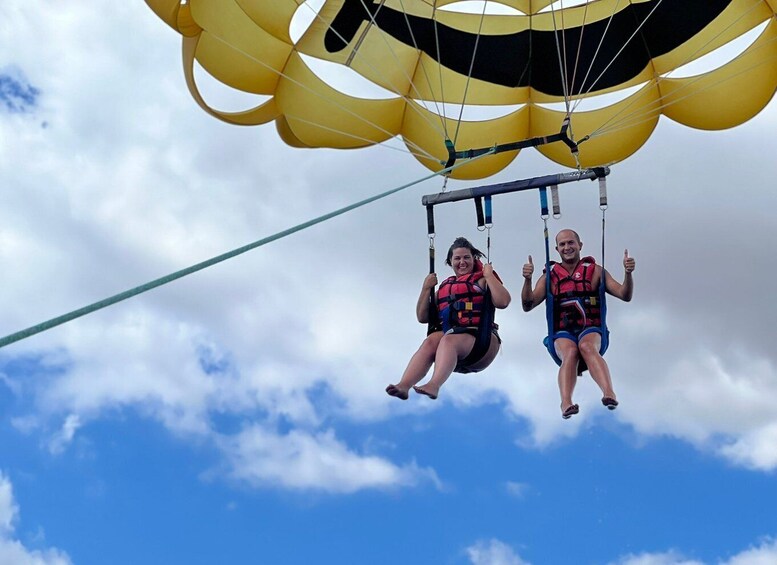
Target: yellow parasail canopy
<point x="499" y="72"/>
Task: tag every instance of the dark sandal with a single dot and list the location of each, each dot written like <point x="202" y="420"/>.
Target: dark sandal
<point x="610" y="403"/>
<point x="571" y="411"/>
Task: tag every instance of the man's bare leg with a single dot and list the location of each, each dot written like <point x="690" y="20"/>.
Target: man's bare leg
<point x="567" y="351"/>
<point x="589" y="349"/>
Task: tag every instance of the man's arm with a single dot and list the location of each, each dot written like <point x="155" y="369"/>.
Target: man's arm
<point x="626" y="290"/>
<point x="531" y="298"/>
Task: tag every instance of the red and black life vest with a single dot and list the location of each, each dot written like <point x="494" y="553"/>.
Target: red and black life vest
<point x="460" y="301"/>
<point x="576" y="302"/>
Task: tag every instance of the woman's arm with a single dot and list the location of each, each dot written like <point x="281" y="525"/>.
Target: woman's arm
<point x="499" y="294"/>
<point x="422" y="306"/>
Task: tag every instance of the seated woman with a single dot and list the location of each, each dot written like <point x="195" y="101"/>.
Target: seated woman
<point x="462" y="335"/>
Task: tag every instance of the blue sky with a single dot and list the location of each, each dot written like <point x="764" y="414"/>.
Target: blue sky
<point x="239" y="415"/>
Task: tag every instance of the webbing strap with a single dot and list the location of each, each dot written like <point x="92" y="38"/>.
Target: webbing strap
<point x="483" y="210"/>
<point x="430" y="232"/>
<point x="602" y="192"/>
<point x="556" y="203"/>
<point x="479" y="213"/>
<point x="544" y="207"/>
<point x="489" y="216"/>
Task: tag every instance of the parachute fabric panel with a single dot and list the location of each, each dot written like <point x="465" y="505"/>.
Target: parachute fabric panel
<point x="432" y="63"/>
<point x="320" y="116"/>
<point x="261" y="114"/>
<point x="169" y="10"/>
<point x="273" y="17"/>
<point x="750" y="79"/>
<point x="415" y="130"/>
<point x="252" y="60"/>
<point x="739" y="17"/>
<point x="613" y="146"/>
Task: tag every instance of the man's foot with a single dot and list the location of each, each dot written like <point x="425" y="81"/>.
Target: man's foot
<point x="610" y="402"/>
<point x="570" y="411"/>
<point x="394" y="390"/>
<point x="421" y="390"/>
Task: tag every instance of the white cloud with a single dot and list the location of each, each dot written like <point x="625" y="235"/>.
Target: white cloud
<point x="756" y="449"/>
<point x="65" y="435"/>
<point x="493" y="552"/>
<point x="302" y="461"/>
<point x="8" y="508"/>
<point x="763" y="554"/>
<point x="517" y="490"/>
<point x="14" y="387"/>
<point x="11" y="550"/>
<point x="667" y="558"/>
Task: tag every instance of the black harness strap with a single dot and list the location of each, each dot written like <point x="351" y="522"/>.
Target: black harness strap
<point x="485" y="333"/>
<point x="433" y="319"/>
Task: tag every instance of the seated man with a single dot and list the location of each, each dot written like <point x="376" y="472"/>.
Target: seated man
<point x="577" y="324"/>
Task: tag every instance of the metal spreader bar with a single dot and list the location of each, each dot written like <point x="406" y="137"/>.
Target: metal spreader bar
<point x="514" y="186"/>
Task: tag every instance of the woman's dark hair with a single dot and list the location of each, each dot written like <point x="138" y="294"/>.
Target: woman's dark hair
<point x="463" y="242"/>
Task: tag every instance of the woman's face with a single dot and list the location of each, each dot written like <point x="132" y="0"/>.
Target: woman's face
<point x="462" y="261"/>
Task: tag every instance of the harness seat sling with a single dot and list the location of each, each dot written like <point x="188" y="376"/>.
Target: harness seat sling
<point x="440" y="315"/>
<point x="589" y="302"/>
<point x="458" y="308"/>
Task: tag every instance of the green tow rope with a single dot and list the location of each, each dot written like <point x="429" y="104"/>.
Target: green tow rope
<point x="59" y="320"/>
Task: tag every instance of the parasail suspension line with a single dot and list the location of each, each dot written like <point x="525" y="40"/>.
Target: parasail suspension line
<point x="99" y="305"/>
<point x="363" y="35"/>
<point x="469" y="73"/>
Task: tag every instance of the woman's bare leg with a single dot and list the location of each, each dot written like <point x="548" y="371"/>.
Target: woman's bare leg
<point x="452" y="347"/>
<point x="419" y="365"/>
